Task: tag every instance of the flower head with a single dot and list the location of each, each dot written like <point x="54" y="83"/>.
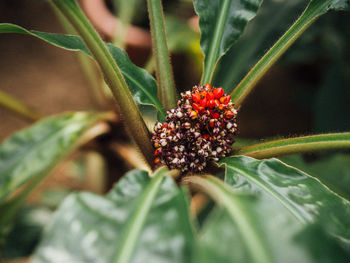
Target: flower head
<point x="200" y="129"/>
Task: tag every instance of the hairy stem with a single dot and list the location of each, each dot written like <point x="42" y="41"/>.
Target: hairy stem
<point x="247" y="84"/>
<point x="166" y="91"/>
<point x="115" y="80"/>
<point x="322" y="142"/>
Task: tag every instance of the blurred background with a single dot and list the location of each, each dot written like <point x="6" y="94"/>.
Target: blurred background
<point x="306" y="92"/>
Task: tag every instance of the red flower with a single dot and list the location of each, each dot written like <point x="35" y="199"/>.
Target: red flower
<point x="200" y="129"/>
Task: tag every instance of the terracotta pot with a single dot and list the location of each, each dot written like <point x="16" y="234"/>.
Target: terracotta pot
<point x="107" y="24"/>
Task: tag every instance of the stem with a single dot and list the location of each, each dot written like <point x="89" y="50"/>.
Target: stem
<point x="115" y="80"/>
<point x="215" y="44"/>
<point x="87" y="65"/>
<point x="166" y="92"/>
<point x="265" y="63"/>
<point x="18" y="107"/>
<point x="331" y="141"/>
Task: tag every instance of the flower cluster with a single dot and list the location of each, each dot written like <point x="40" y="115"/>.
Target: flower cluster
<point x="200" y="129"/>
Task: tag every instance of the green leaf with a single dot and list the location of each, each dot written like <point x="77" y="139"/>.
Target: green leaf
<point x="167" y="92"/>
<point x="36" y="150"/>
<point x="142" y="219"/>
<point x="272" y="20"/>
<point x="286" y="238"/>
<point x="221" y="23"/>
<point x="238" y="209"/>
<point x="28" y="225"/>
<point x="315" y="9"/>
<point x="333" y="171"/>
<point x="141" y="84"/>
<point x="303" y="196"/>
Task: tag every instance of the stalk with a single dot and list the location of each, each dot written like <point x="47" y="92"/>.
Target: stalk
<point x="166" y="91"/>
<point x="115" y="80"/>
<point x="314" y="143"/>
<point x="87" y="65"/>
<point x="247" y="84"/>
<point x="18" y="107"/>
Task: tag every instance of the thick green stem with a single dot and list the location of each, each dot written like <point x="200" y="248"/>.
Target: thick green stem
<point x="331" y="141"/>
<point x="18" y="107"/>
<point x="166" y="91"/>
<point x="247" y="84"/>
<point x="87" y="65"/>
<point x="209" y="68"/>
<point x="115" y="80"/>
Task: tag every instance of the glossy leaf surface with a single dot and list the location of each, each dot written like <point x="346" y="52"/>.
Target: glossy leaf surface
<point x="333" y="171"/>
<point x="221" y="23"/>
<point x="271" y="21"/>
<point x="37" y="149"/>
<point x="303" y="196"/>
<point x="141" y="84"/>
<point x="140" y="220"/>
<point x="287" y="240"/>
<point x="315" y="9"/>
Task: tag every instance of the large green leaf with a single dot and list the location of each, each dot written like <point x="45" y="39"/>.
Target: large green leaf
<point x="303" y="196"/>
<point x="140" y="220"/>
<point x="272" y="20"/>
<point x="141" y="84"/>
<point x="315" y="9"/>
<point x="286" y="239"/>
<point x="221" y="23"/>
<point x="29" y="225"/>
<point x="35" y="150"/>
<point x="333" y="171"/>
<point x="29" y="155"/>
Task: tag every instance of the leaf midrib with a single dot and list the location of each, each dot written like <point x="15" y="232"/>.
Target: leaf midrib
<point x="23" y="155"/>
<point x="137" y="219"/>
<point x="219" y="191"/>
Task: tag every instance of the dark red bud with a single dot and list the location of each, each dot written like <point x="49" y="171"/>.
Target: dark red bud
<point x="217" y="103"/>
<point x="204" y="102"/>
<point x="225" y="99"/>
<point x="195" y="106"/>
<point x="207" y="86"/>
<point x="206" y="136"/>
<point x="215" y="115"/>
<point x="218" y="92"/>
<point x="229" y="114"/>
<point x="212" y="123"/>
<point x="196" y="97"/>
<point x="211" y="104"/>
<point x="210" y="95"/>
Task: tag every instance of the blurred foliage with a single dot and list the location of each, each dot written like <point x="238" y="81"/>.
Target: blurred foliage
<point x="26" y="232"/>
<point x="318" y="63"/>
